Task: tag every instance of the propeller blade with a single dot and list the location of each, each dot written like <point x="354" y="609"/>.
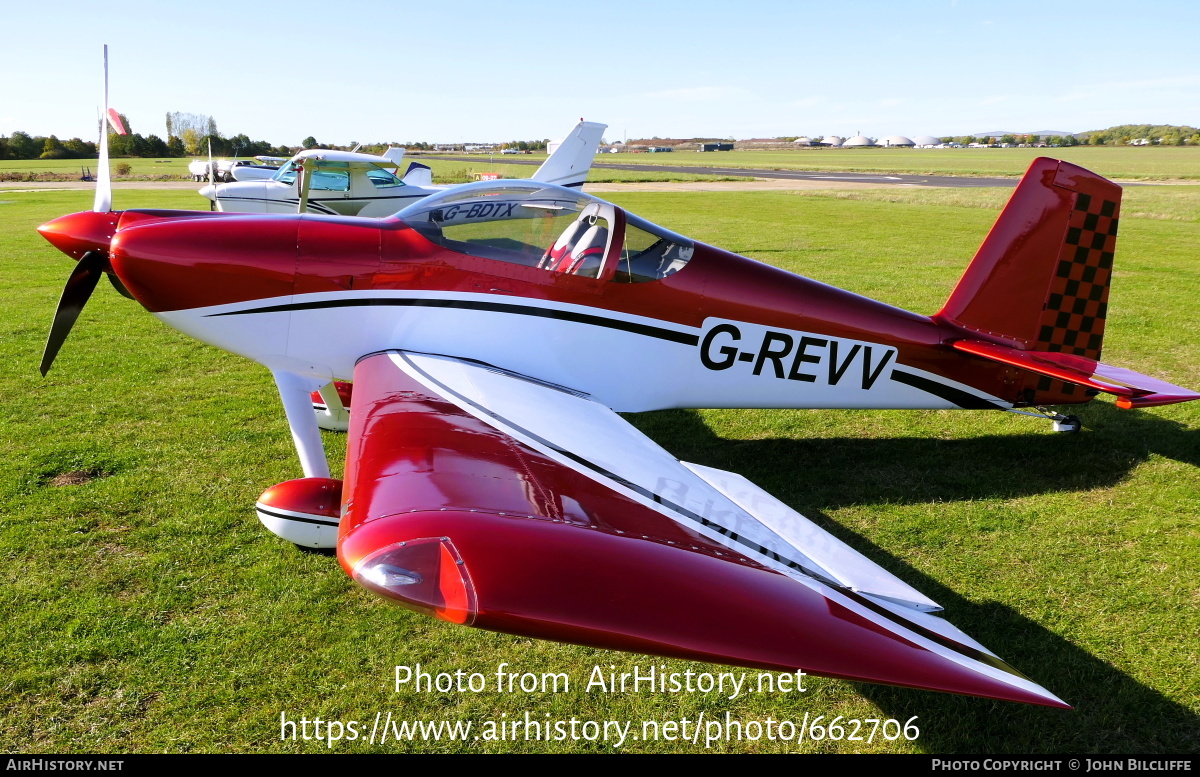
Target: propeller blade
<point x="75" y="295"/>
<point x="103" y="202"/>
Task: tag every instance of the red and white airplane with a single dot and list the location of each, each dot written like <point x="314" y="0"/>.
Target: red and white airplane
<point x="493" y="332"/>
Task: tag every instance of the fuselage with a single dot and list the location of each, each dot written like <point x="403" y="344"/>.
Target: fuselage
<point x="360" y="197"/>
<point x="341" y="183"/>
<point x="314" y="294"/>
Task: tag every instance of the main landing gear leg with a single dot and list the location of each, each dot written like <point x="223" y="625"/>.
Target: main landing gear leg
<point x="1062" y="423"/>
<point x="295" y="391"/>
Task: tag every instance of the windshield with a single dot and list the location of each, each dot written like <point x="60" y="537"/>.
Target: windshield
<point x="650" y="252"/>
<point x="332" y="176"/>
<point x="548" y="227"/>
<point x="382" y="179"/>
<point x="520" y="224"/>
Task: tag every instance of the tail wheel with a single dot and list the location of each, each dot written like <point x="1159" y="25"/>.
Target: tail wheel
<point x="1069" y="423"/>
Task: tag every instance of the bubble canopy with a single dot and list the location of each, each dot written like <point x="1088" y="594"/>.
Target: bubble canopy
<point x="550" y="228"/>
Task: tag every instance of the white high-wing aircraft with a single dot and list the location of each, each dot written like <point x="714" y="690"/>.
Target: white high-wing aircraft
<point x="260" y="168"/>
<point x="227" y="170"/>
<point x="347" y="183"/>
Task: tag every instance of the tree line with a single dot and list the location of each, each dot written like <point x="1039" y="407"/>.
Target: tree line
<point x="1017" y="140"/>
<point x="188" y="134"/>
<point x="1145" y="135"/>
<point x="1120" y="135"/>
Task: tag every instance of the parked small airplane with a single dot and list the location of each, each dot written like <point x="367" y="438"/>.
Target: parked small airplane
<point x="228" y="169"/>
<point x="260" y="168"/>
<point x="493" y="331"/>
<point x="354" y="184"/>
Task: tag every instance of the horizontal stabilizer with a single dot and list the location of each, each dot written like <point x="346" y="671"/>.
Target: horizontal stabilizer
<point x="1133" y="388"/>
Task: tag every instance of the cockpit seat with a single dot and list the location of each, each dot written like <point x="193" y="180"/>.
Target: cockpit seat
<point x="588" y="255"/>
<point x="579" y="250"/>
<point x="563" y="246"/>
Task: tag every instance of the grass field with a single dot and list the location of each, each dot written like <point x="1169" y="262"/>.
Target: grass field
<point x="174" y="168"/>
<point x="1145" y="201"/>
<point x="147" y="610"/>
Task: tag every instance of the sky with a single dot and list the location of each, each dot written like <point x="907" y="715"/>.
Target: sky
<point x="366" y="71"/>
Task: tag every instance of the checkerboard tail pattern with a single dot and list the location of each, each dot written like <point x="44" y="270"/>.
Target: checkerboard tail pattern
<point x="1076" y="304"/>
<point x="1040" y="279"/>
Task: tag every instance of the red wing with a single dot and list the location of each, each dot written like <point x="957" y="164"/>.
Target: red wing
<point x="494" y="500"/>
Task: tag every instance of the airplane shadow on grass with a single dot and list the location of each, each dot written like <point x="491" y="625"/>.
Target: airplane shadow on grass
<point x="1114" y="713"/>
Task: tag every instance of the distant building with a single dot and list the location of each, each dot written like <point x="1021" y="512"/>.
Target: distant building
<point x="762" y="143"/>
<point x="716" y="147"/>
<point x="894" y="141"/>
<point x="802" y="142"/>
<point x="857" y="140"/>
<point x="926" y="141"/>
<point x="831" y="140"/>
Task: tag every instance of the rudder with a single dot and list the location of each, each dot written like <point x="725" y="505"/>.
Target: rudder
<point x="1040" y="279"/>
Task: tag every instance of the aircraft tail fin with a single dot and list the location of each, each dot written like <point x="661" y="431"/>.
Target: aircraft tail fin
<point x="571" y="161"/>
<point x="1040" y="280"/>
<point x="418" y="174"/>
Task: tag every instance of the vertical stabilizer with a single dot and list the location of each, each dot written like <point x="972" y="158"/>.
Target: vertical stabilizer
<point x="1040" y="280"/>
<point x="418" y="175"/>
<point x="571" y="161"/>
